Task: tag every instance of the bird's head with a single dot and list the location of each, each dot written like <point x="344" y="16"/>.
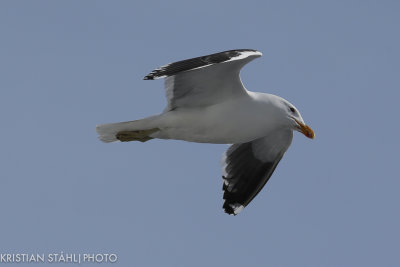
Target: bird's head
<point x="294" y="119"/>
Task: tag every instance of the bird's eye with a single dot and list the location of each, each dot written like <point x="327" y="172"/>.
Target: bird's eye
<point x="292" y="109"/>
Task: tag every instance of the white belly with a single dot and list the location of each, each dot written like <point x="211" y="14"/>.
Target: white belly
<point x="236" y="121"/>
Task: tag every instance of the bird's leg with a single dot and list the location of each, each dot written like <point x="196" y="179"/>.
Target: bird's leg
<point x="139" y="135"/>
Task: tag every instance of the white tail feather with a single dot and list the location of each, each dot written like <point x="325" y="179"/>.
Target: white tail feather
<point x="107" y="132"/>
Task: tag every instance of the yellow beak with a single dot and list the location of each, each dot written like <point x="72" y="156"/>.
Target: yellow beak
<point x="305" y="129"/>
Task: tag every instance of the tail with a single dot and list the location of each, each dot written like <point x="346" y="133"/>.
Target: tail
<point x="110" y="132"/>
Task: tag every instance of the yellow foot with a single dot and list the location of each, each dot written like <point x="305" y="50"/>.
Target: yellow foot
<point x="140" y="135"/>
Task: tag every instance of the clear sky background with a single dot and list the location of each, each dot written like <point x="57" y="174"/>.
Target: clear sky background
<point x="66" y="66"/>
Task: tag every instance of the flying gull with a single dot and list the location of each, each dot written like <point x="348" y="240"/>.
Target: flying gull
<point x="207" y="103"/>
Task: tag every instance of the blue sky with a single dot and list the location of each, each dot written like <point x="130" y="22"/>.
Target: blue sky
<point x="69" y="65"/>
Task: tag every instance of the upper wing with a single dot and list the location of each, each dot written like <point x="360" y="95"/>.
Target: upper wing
<point x="248" y="166"/>
<point x="206" y="80"/>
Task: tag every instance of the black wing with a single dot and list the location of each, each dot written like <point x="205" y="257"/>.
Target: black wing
<point x="195" y="63"/>
<point x="248" y="167"/>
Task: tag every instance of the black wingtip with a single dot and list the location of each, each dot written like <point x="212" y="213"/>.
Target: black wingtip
<point x="228" y="209"/>
<point x="232" y="208"/>
<point x="148" y="77"/>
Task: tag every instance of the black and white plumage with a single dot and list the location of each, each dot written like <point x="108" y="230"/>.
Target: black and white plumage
<point x="197" y="62"/>
<point x="202" y="81"/>
<point x="208" y="103"/>
<point x="248" y="166"/>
